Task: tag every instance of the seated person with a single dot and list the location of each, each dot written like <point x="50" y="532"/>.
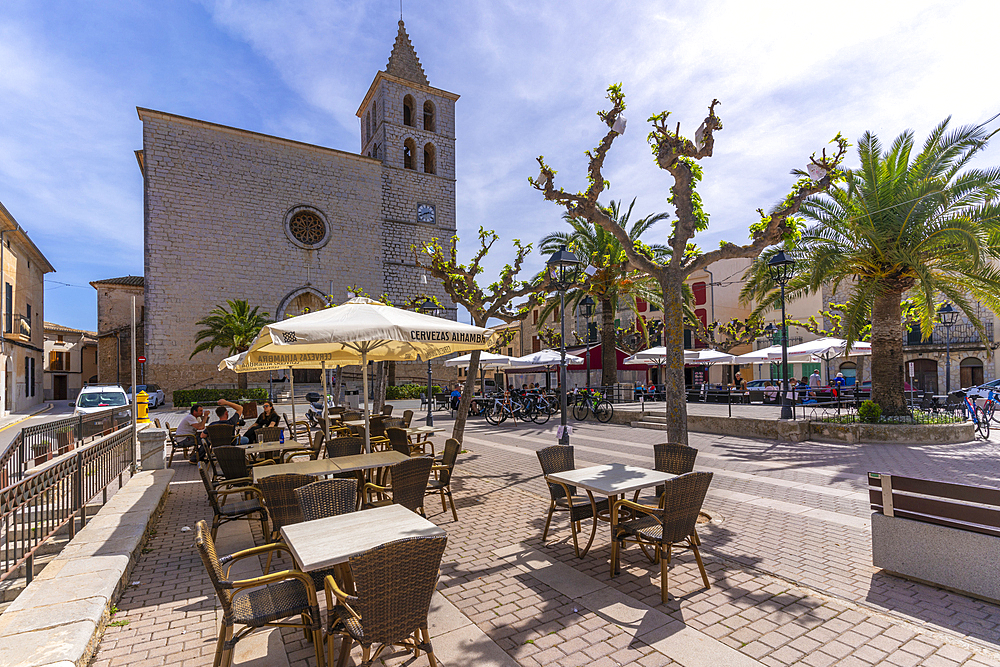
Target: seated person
<point x="456" y="397"/>
<point x="223" y="417"/>
<point x="803" y="392"/>
<point x="770" y="392"/>
<point x="267" y="417"/>
<point x="188" y="432"/>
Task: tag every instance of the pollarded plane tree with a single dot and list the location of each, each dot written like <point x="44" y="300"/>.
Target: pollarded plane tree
<point x="679" y="156"/>
<point x="494" y="302"/>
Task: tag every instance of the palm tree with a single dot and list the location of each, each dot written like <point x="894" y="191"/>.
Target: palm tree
<point x="232" y="329"/>
<point x="613" y="285"/>
<point x="901" y="226"/>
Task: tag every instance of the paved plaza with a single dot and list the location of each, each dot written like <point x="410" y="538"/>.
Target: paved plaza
<point x="788" y="554"/>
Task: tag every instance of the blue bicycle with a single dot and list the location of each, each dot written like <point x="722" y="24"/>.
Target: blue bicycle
<point x="977" y="415"/>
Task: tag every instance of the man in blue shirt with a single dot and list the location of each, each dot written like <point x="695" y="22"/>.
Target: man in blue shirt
<point x="223" y="416"/>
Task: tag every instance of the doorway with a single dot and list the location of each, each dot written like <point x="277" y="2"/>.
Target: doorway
<point x="925" y="375"/>
<point x="59" y="388"/>
<point x="971" y="372"/>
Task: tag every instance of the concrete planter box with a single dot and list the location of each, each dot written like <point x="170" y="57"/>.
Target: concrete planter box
<point x="932" y="434"/>
<point x="955" y="559"/>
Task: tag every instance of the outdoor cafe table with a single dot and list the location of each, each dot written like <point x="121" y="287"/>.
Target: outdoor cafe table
<point x="322" y="543"/>
<point x="327" y="466"/>
<point x="272" y="447"/>
<point x="610" y="480"/>
<point x="353" y="422"/>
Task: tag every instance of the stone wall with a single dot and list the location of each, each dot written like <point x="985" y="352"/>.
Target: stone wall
<point x="114" y="320"/>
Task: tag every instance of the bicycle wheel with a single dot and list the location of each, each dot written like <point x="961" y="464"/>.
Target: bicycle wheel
<point x="540" y="415"/>
<point x="990" y="409"/>
<point x="982" y="424"/>
<point x="490" y="412"/>
<point x="604" y="411"/>
<point x="551" y="406"/>
<point x="580" y="409"/>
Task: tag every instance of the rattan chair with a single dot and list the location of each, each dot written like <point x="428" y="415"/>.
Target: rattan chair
<point x="386" y="410"/>
<point x="312" y="453"/>
<point x="157" y="422"/>
<point x="282" y="506"/>
<point x="174" y="446"/>
<point x="393" y="422"/>
<point x="564" y="498"/>
<point x="344" y="447"/>
<point x="352" y="415"/>
<point x="444" y="472"/>
<point x="407" y="418"/>
<point x="232" y="461"/>
<point x="399" y="441"/>
<point x="377" y="443"/>
<point x="268" y="434"/>
<point x="662" y="527"/>
<point x="408" y="483"/>
<point x="233" y="511"/>
<point x="327" y="497"/>
<point x="220" y="434"/>
<point x="672" y="459"/>
<point x="300" y="429"/>
<point x="259" y="602"/>
<point x="394" y="584"/>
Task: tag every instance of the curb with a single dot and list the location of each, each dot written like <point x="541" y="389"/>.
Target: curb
<point x="45" y="408"/>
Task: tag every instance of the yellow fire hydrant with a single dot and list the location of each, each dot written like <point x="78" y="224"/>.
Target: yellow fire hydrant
<point x="142" y="404"/>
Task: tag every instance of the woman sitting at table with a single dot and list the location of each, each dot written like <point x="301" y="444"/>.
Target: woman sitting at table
<point x="268" y="417"/>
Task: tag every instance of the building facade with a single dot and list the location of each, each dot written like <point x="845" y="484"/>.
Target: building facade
<point x="287" y="226"/>
<point x="70" y="361"/>
<point x="115" y="297"/>
<point x="22" y="268"/>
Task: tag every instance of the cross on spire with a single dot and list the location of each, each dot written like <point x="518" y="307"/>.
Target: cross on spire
<point x="403" y="61"/>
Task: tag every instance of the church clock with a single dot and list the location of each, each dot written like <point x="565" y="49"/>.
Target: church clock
<point x="425" y="213"/>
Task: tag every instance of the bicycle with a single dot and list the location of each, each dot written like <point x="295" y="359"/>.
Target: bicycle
<point x="587" y="402"/>
<point x="989" y="407"/>
<point x="536" y="407"/>
<point x="977" y="415"/>
<point x="505" y="407"/>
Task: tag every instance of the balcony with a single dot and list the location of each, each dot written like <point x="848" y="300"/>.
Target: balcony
<point x="18" y="328"/>
<point x="961" y="334"/>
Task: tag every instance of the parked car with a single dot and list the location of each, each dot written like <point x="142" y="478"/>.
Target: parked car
<point x="758" y="384"/>
<point x="96" y="398"/>
<point x="156" y="397"/>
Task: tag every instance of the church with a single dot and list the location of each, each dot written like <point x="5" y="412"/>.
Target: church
<point x="289" y="226"/>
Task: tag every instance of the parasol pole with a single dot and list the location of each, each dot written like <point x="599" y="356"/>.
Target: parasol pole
<point x="291" y="379"/>
<point x="364" y="388"/>
<point x="326" y="415"/>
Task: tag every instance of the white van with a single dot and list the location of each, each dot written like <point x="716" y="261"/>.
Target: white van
<point x="96" y="398"/>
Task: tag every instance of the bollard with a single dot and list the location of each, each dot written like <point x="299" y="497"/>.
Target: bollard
<point x="151" y="447"/>
<point x="142" y="406"/>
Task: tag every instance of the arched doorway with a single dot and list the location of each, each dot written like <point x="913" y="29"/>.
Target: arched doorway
<point x="849" y="370"/>
<point x="299" y="302"/>
<point x="925" y="375"/>
<point x="970" y="372"/>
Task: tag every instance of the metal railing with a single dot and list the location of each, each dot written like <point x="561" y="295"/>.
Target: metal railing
<point x="960" y="334"/>
<point x="36" y="444"/>
<point x="38" y="507"/>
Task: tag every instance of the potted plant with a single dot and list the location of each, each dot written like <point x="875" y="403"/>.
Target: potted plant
<point x="64" y="438"/>
<point x="42" y="451"/>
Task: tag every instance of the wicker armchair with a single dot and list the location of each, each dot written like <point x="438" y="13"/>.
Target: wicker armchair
<point x="663" y="527"/>
<point x="408" y="483"/>
<point x="220" y="434"/>
<point x="399" y="441"/>
<point x="394" y="584"/>
<point x="386" y="410"/>
<point x="352" y="415"/>
<point x="444" y="471"/>
<point x="344" y="447"/>
<point x="559" y="458"/>
<point x="407" y="418"/>
<point x="235" y="511"/>
<point x="300" y="429"/>
<point x="312" y="452"/>
<point x="282" y="506"/>
<point x="393" y="422"/>
<point x="233" y="462"/>
<point x="672" y="459"/>
<point x="258" y="602"/>
<point x="327" y="497"/>
<point x="268" y="434"/>
<point x="173" y="445"/>
<point x="377" y="443"/>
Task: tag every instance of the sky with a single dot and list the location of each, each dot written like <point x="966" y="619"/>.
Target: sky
<point x="531" y="75"/>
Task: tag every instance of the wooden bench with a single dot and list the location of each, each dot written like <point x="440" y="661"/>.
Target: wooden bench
<point x="941" y="533"/>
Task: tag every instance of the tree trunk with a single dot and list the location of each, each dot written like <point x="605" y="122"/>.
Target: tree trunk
<point x="338" y="387"/>
<point x="673" y="370"/>
<point x="609" y="360"/>
<point x="458" y="430"/>
<point x="392" y="374"/>
<point x="381" y="374"/>
<point x="241" y="380"/>
<point x="887" y="353"/>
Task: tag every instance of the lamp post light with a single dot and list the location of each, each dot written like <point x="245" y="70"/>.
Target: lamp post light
<point x="563" y="267"/>
<point x="781" y="269"/>
<point x="587" y="304"/>
<point x="428" y="307"/>
<point x="947" y="315"/>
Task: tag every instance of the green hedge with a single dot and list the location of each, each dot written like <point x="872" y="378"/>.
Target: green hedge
<point x="185" y="397"/>
<point x="405" y="391"/>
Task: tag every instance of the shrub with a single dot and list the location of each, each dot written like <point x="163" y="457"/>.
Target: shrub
<point x="408" y="391"/>
<point x="870" y="412"/>
<point x="185" y="397"/>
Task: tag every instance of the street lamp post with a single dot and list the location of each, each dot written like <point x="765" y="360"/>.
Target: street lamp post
<point x="781" y="269"/>
<point x="428" y="307"/>
<point x="563" y="267"/>
<point x="948" y="316"/>
<point x="588" y="311"/>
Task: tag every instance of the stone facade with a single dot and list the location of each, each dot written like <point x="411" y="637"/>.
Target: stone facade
<point x="222" y="204"/>
<point x="114" y="327"/>
<point x="70" y="361"/>
<point x="22" y="268"/>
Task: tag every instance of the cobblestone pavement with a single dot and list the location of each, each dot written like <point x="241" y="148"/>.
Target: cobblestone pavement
<point x="788" y="556"/>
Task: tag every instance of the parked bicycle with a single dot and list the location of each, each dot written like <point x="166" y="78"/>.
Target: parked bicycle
<point x="587" y="402"/>
<point x="990" y="408"/>
<point x="977" y="415"/>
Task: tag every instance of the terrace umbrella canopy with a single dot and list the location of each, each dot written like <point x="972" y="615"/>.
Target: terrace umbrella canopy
<point x="486" y="360"/>
<point x="356" y="332"/>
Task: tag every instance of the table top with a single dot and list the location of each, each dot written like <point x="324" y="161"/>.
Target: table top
<point x="323" y="543"/>
<point x="326" y="466"/>
<point x="366" y="461"/>
<point x="423" y="430"/>
<point x="354" y="422"/>
<point x="275" y="446"/>
<point x="613" y="479"/>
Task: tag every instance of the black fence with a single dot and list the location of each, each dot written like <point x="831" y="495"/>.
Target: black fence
<point x="54" y="499"/>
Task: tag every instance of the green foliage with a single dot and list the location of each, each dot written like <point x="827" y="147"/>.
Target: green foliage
<point x="185" y="397"/>
<point x="697" y="209"/>
<point x="870" y="412"/>
<point x="408" y="391"/>
<point x="232" y="330"/>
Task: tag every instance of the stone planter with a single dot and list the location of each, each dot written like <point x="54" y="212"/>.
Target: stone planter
<point x="42" y="452"/>
<point x="65" y="441"/>
<point x="937" y="434"/>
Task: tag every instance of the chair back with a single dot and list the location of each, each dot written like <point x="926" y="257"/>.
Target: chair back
<point x="557" y="458"/>
<point x="344" y="447"/>
<point x="157" y="422"/>
<point x="233" y="461"/>
<point x="328" y="497"/>
<point x="278" y="492"/>
<point x="206" y="549"/>
<point x="398" y="440"/>
<point x="268" y="434"/>
<point x="377" y="426"/>
<point x="393" y="422"/>
<point x="386" y="410"/>
<point x="352" y="415"/>
<point x="451" y="449"/>
<point x="317" y="445"/>
<point x="220" y="435"/>
<point x="674" y="459"/>
<point x="682" y="501"/>
<point x="407" y="418"/>
<point x="409" y="482"/>
<point x="213" y="500"/>
<point x="395" y="582"/>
